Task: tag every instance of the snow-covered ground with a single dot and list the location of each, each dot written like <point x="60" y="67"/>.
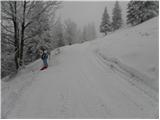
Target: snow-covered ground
<point x="111" y="77"/>
<point x="136" y="47"/>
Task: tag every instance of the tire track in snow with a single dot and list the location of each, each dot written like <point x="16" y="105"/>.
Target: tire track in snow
<point x="151" y="100"/>
<point x="134" y="80"/>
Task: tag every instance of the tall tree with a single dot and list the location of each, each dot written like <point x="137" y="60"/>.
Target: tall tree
<point x="10" y="26"/>
<point x="93" y="33"/>
<point x="89" y="32"/>
<point x="22" y="21"/>
<point x="85" y="38"/>
<point x="105" y="26"/>
<point x="117" y="17"/>
<point x="80" y="36"/>
<point x="140" y="11"/>
<point x="59" y="34"/>
<point x="23" y="26"/>
<point x="70" y="32"/>
<point x="35" y="15"/>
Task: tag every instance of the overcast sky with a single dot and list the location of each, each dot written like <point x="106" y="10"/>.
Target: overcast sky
<point x="85" y="12"/>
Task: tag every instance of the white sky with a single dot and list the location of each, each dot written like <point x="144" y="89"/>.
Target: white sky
<point x="85" y="12"/>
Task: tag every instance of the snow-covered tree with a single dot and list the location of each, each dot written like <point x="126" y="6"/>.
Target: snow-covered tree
<point x="84" y="34"/>
<point x="23" y="22"/>
<point x="89" y="32"/>
<point x="10" y="27"/>
<point x="140" y="11"/>
<point x="70" y="32"/>
<point x="117" y="17"/>
<point x="58" y="34"/>
<point x="105" y="26"/>
<point x="79" y="36"/>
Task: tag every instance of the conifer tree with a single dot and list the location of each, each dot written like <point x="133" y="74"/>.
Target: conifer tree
<point x="105" y="26"/>
<point x="117" y="17"/>
<point x="140" y="11"/>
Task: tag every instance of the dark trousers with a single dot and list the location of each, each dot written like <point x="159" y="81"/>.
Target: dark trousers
<point x="45" y="62"/>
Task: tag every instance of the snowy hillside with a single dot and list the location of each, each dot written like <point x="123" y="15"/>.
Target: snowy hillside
<point x="136" y="47"/>
<point x="111" y="77"/>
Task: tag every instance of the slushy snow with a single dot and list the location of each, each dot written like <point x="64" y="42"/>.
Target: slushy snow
<point x="111" y="77"/>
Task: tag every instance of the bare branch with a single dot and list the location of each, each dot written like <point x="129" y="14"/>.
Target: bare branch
<point x="5" y="27"/>
<point x="6" y="18"/>
<point x="31" y="36"/>
<point x="9" y="35"/>
<point x="8" y="38"/>
<point x="48" y="5"/>
<point x="32" y="5"/>
<point x="10" y="11"/>
<point x="46" y="8"/>
<point x="28" y="24"/>
<point x="8" y="42"/>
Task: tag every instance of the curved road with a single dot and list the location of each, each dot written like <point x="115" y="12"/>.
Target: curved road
<point x="79" y="85"/>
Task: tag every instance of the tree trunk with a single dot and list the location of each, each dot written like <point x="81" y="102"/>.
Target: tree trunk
<point x="16" y="39"/>
<point x="16" y="61"/>
<point x="16" y="45"/>
<point x="22" y="34"/>
<point x="22" y="45"/>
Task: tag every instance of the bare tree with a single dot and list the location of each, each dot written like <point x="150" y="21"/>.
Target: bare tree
<point x="31" y="15"/>
<point x="10" y="20"/>
<point x="19" y="17"/>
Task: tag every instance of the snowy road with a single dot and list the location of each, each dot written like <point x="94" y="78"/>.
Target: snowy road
<point x="80" y="85"/>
